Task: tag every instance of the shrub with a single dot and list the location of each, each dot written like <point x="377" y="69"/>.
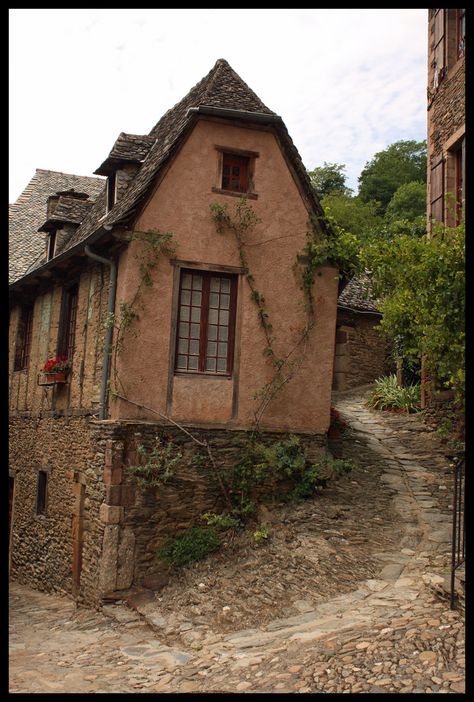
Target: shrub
<point x="194" y="545"/>
<point x="221" y="522"/>
<point x="388" y="395"/>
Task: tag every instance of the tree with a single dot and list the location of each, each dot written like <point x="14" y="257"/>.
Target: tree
<point x="329" y="178"/>
<point x="400" y="163"/>
<point x="353" y="215"/>
<point x="420" y="284"/>
<point x="408" y="202"/>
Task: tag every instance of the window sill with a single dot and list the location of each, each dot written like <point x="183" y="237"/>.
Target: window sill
<point x="213" y="376"/>
<point x="232" y="193"/>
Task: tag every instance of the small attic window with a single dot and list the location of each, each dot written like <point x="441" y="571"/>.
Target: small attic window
<point x="51" y="244"/>
<point x="111" y="191"/>
<point x="235" y="172"/>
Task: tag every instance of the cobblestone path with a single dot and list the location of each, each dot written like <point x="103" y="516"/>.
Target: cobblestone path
<point x="392" y="632"/>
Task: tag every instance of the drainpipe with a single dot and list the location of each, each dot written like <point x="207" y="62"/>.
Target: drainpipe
<point x="109" y="330"/>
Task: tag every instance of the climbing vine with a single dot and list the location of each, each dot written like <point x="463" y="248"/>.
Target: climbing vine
<point x="340" y="249"/>
<point x="156" y="245"/>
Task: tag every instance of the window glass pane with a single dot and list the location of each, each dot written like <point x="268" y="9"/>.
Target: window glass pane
<point x="197" y="282"/>
<point x="211" y="364"/>
<point x="184" y="314"/>
<point x="225" y="301"/>
<point x="211" y="348"/>
<point x="223" y="333"/>
<point x="194" y="347"/>
<point x="195" y="314"/>
<point x="182" y="361"/>
<point x="193" y="363"/>
<point x="215" y="284"/>
<point x="223" y="317"/>
<point x="195" y="328"/>
<point x="183" y="329"/>
<point x="214" y="300"/>
<point x="183" y="346"/>
<point x="222" y="350"/>
<point x="225" y="285"/>
<point x="185" y="297"/>
<point x="212" y="332"/>
<point x="186" y="284"/>
<point x="196" y="297"/>
<point x="222" y="364"/>
<point x="213" y="316"/>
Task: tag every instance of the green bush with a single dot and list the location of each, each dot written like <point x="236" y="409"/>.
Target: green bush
<point x="387" y="395"/>
<point x="194" y="545"/>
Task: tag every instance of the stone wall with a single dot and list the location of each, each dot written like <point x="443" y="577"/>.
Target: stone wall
<point x="362" y="353"/>
<point x="42" y="545"/>
<point x="138" y="522"/>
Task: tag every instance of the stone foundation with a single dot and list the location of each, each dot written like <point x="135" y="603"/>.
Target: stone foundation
<point x="101" y="533"/>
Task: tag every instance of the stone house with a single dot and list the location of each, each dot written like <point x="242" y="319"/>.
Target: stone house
<point x="446" y="115"/>
<point x="362" y="354"/>
<point x="446" y="119"/>
<point x="165" y="321"/>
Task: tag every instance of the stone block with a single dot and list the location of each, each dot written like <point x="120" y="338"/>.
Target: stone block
<point x="111" y="514"/>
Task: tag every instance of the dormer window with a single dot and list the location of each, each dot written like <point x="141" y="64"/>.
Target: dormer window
<point x="51" y="244"/>
<point x="111" y="191"/>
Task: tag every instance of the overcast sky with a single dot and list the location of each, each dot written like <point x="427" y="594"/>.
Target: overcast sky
<point x="347" y="83"/>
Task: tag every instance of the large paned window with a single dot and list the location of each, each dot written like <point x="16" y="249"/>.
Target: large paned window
<point x="67" y="325"/>
<point x="206" y="322"/>
<point x="23" y="338"/>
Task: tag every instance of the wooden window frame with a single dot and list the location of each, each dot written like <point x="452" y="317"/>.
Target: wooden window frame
<point x="245" y="157"/>
<point x="41" y="505"/>
<point x="435" y="200"/>
<point x="23" y="338"/>
<point x="67" y="324"/>
<point x="204" y="323"/>
<point x="439" y="41"/>
<point x="459" y="165"/>
<point x="111" y="191"/>
<point x="461" y="32"/>
<point x="52" y="237"/>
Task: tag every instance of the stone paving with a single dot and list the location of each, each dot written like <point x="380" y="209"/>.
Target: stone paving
<point x="391" y="633"/>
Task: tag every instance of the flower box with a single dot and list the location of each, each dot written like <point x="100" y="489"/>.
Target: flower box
<point x="56" y="377"/>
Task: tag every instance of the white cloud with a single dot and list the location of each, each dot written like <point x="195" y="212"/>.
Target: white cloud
<point x="346" y="82"/>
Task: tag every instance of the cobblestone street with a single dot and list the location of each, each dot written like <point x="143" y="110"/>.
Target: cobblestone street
<point x="348" y="596"/>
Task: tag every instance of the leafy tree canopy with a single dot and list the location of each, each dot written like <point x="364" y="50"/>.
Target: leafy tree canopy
<point x="329" y="178"/>
<point x="421" y="284"/>
<point x="354" y="216"/>
<point x="408" y="202"/>
<point x="400" y="163"/>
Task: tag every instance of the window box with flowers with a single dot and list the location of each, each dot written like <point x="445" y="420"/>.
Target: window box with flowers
<point x="56" y="370"/>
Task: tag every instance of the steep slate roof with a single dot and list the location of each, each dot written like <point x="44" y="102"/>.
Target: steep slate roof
<point x="356" y="296"/>
<point x="131" y="148"/>
<point x="221" y="89"/>
<point x="28" y="212"/>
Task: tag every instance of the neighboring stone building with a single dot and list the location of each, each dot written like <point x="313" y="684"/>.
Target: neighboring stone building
<point x="362" y="353"/>
<point x="446" y="129"/>
<point x="180" y="341"/>
<point x="446" y="115"/>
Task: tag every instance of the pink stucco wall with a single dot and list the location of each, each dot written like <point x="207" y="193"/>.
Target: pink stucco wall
<point x="180" y="204"/>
